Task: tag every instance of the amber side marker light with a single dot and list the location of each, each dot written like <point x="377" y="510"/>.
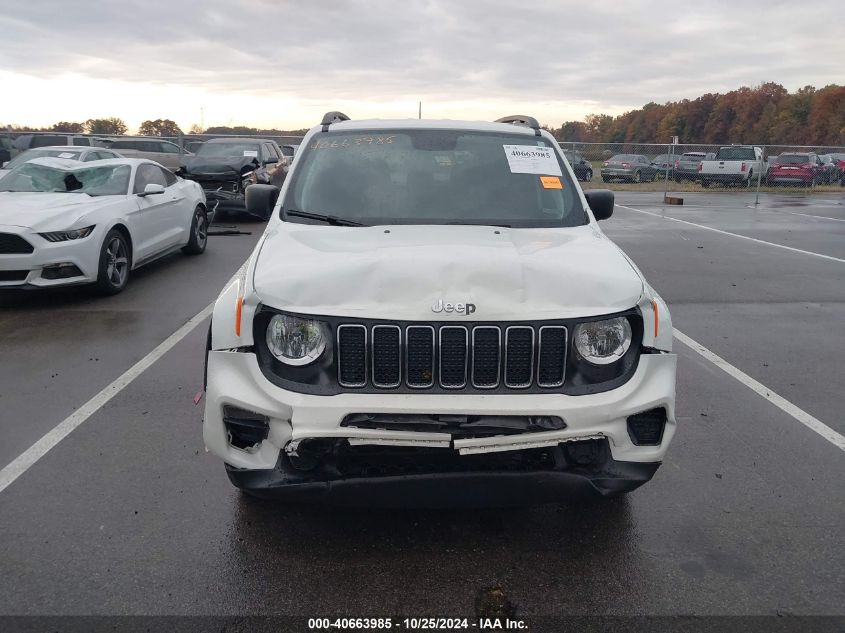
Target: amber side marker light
<point x="653" y="305"/>
<point x="239" y="308"/>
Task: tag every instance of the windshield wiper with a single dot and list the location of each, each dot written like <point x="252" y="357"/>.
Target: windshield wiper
<point x="328" y="219"/>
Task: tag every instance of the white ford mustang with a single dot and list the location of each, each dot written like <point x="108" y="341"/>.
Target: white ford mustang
<point x="63" y="222"/>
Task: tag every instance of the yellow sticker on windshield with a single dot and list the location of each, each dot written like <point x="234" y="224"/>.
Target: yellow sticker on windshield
<point x="551" y="182"/>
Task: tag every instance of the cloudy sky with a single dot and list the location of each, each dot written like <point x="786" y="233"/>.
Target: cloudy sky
<point x="280" y="63"/>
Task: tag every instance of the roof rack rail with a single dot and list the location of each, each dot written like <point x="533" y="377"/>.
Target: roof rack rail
<point x="521" y="119"/>
<point x="332" y="117"/>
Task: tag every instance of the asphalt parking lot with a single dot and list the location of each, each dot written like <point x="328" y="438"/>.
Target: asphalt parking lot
<point x="128" y="515"/>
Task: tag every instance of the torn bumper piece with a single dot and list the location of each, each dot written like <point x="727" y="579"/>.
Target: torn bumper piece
<point x="343" y="472"/>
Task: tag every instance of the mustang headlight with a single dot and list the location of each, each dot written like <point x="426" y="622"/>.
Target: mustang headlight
<point x="603" y="342"/>
<point x="64" y="236"/>
<point x="295" y="341"/>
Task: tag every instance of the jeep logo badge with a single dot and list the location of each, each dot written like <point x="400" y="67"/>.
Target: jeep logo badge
<point x="460" y="308"/>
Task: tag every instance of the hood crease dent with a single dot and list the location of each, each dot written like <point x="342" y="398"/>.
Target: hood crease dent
<point x="509" y="274"/>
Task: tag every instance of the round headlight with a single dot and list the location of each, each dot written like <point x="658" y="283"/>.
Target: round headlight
<point x="603" y="342"/>
<point x="295" y="341"/>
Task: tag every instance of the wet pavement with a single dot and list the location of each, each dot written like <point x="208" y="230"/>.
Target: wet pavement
<point x="129" y="515"/>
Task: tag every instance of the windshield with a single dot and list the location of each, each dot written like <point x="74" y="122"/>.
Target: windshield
<point x="434" y="177"/>
<point x="227" y="149"/>
<point x="110" y="180"/>
<point x="735" y="153"/>
<point x="38" y="153"/>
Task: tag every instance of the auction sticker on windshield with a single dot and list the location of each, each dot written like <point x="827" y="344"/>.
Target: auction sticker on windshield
<point x="532" y="159"/>
<point x="251" y="152"/>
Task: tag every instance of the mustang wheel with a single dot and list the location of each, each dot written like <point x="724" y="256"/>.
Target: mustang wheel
<point x="638" y="177"/>
<point x="199" y="233"/>
<point x="113" y="273"/>
<point x="589" y="176"/>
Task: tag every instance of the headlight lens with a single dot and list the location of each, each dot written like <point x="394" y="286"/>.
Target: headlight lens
<point x="295" y="341"/>
<point x="64" y="236"/>
<point x="603" y="342"/>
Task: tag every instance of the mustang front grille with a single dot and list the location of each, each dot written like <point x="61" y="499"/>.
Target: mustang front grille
<point x="11" y="244"/>
<point x="451" y="356"/>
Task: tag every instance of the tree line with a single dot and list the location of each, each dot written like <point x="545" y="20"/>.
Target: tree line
<point x="113" y="126"/>
<point x="766" y="114"/>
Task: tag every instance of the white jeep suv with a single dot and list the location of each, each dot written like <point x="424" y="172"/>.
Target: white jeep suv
<point x="433" y="317"/>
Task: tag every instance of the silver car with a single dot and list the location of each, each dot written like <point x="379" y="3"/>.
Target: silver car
<point x="83" y="154"/>
<point x="163" y="152"/>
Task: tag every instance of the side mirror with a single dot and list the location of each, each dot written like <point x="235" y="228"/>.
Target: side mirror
<point x="151" y="190"/>
<point x="601" y="202"/>
<point x="260" y="199"/>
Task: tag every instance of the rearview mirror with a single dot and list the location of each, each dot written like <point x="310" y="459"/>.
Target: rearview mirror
<point x="260" y="199"/>
<point x="152" y="189"/>
<point x="601" y="202"/>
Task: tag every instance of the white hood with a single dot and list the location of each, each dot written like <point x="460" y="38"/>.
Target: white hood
<point x="48" y="211"/>
<point x="399" y="272"/>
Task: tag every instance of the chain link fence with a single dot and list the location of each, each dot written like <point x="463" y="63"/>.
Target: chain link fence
<point x="622" y="166"/>
<point x="696" y="167"/>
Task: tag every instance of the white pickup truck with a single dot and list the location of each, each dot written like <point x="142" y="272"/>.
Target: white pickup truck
<point x="733" y="164"/>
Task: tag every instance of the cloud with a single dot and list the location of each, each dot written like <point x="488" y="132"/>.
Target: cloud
<point x="570" y="56"/>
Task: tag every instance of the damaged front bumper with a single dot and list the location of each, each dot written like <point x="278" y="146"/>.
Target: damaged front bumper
<point x="307" y="452"/>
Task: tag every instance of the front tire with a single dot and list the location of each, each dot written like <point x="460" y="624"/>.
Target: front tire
<point x="199" y="233"/>
<point x="115" y="263"/>
<point x="638" y="177"/>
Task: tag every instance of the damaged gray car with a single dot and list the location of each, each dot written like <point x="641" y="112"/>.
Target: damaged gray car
<point x="225" y="167"/>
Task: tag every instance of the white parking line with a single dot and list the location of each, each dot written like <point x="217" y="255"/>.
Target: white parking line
<point x="820" y="217"/>
<point x="30" y="456"/>
<point x="812" y="423"/>
<point x="742" y="237"/>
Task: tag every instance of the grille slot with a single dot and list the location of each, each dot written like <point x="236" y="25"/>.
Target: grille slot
<point x="453" y="357"/>
<point x="11" y="244"/>
<point x="551" y="366"/>
<point x="419" y="355"/>
<point x="352" y="355"/>
<point x="519" y="356"/>
<point x="387" y="356"/>
<point x="486" y="356"/>
<point x="13" y="275"/>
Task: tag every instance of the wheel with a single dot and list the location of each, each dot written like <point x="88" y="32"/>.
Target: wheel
<point x="749" y="179"/>
<point x="115" y="258"/>
<point x="638" y="177"/>
<point x="199" y="233"/>
<point x="678" y="179"/>
<point x="603" y="179"/>
<point x="589" y="176"/>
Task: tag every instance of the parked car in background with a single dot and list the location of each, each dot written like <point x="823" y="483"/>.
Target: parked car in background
<point x="30" y="141"/>
<point x="628" y="167"/>
<point x="6" y="149"/>
<point x="135" y="211"/>
<point x="288" y="154"/>
<point x="830" y="172"/>
<point x="161" y="151"/>
<point x="664" y="163"/>
<point x="686" y="166"/>
<point x="225" y="167"/>
<point x="83" y="154"/>
<point x="795" y="168"/>
<point x="732" y="165"/>
<point x="581" y="166"/>
<point x="839" y="159"/>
